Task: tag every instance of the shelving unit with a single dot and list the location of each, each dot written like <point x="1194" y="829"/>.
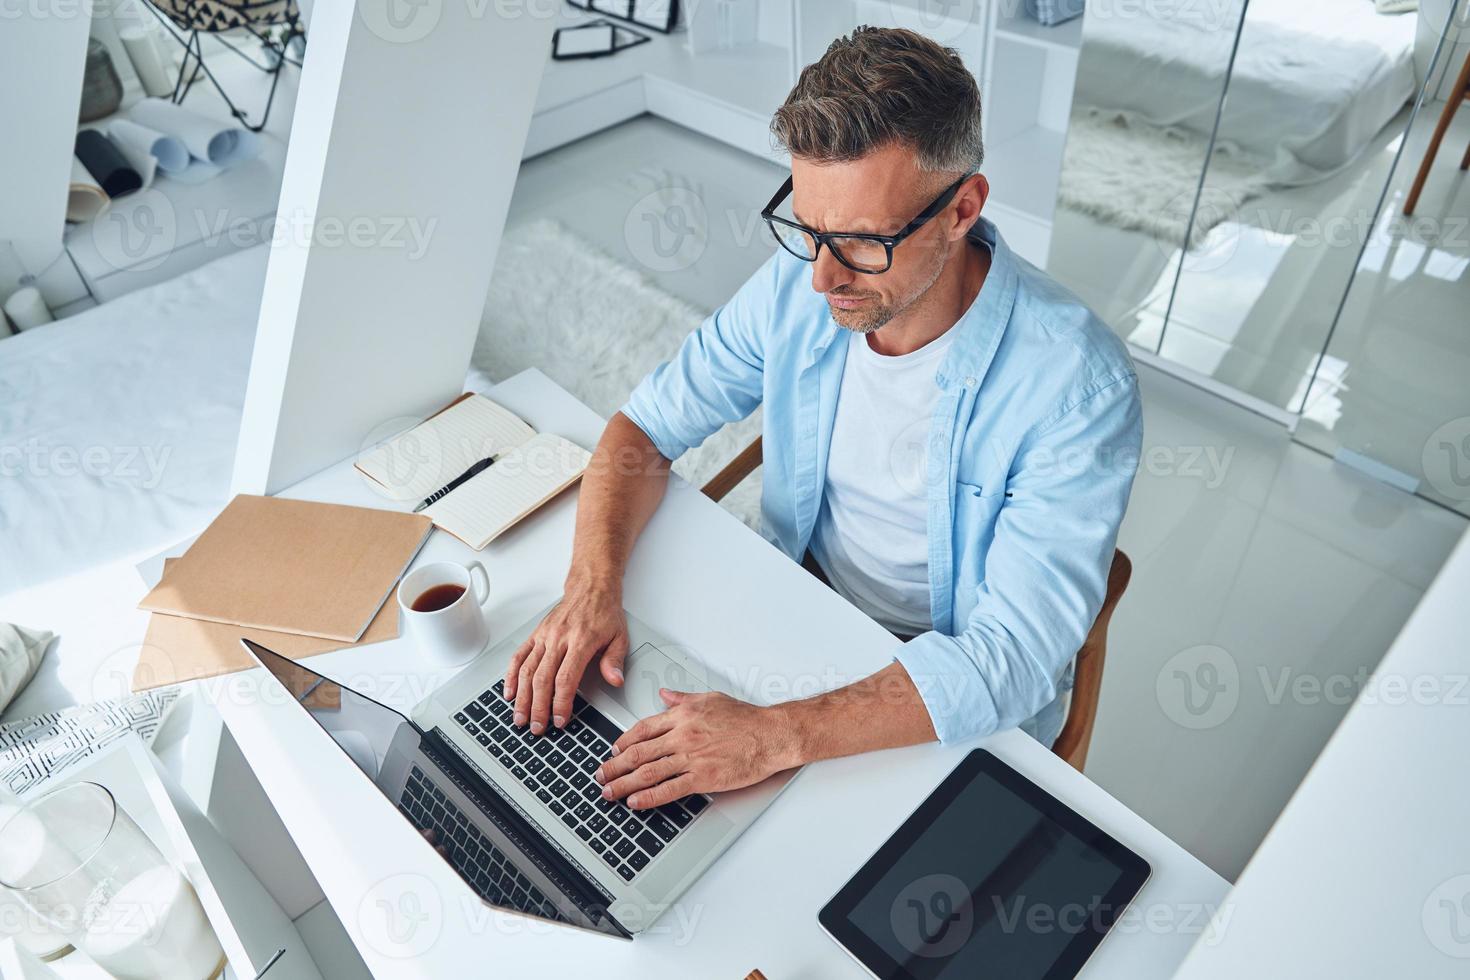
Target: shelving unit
<point x="1027" y="91"/>
<point x="249" y="924"/>
<point x="724" y="91"/>
<point x="728" y="93"/>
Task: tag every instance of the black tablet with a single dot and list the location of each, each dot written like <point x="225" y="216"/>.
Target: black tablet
<point x="990" y="877"/>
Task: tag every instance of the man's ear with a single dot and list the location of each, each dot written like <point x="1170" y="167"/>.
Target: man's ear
<point x="969" y="202"/>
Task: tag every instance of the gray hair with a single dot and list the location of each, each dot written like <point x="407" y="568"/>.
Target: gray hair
<point x="880" y="86"/>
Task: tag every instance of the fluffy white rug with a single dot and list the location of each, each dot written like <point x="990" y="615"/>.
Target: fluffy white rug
<point x="1143" y="177"/>
<point x="596" y="327"/>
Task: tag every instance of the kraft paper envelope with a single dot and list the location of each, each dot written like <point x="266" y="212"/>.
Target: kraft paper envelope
<point x="292" y="566"/>
<point x="178" y="649"/>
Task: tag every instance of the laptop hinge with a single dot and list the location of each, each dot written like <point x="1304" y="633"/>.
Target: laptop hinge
<point x="564" y="872"/>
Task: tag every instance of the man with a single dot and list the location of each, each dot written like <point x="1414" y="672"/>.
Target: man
<point x="949" y="439"/>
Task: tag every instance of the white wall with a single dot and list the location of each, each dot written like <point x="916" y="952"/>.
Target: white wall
<point x="405" y="144"/>
<point x="43" y="45"/>
<point x="1367" y="871"/>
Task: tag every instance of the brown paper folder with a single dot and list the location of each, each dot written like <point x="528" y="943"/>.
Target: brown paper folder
<point x="178" y="649"/>
<point x="292" y="566"/>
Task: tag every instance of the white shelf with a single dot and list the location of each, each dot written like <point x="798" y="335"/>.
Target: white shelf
<point x="1017" y="181"/>
<point x="177" y="225"/>
<point x="1063" y="38"/>
<point x="726" y="94"/>
<point x="753" y="78"/>
<point x="248" y="923"/>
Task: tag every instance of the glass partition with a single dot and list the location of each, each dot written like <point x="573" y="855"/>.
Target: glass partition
<point x="1262" y="195"/>
<point x="1150" y="79"/>
<point x="1312" y="121"/>
<point x="1390" y="392"/>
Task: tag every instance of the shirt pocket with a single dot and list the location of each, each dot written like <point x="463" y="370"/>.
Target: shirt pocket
<point x="965" y="490"/>
<point x="975" y="513"/>
<point x="976" y="509"/>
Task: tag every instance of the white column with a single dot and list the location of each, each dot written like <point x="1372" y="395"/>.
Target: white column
<point x="408" y="132"/>
<point x="43" y="46"/>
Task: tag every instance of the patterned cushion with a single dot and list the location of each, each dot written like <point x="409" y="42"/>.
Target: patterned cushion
<point x="34" y="749"/>
<point x="214" y="16"/>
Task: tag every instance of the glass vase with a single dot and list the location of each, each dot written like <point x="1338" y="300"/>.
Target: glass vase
<point x="76" y="859"/>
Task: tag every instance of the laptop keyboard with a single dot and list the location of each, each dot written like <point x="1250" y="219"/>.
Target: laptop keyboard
<point x="557" y="766"/>
<point x="480" y="863"/>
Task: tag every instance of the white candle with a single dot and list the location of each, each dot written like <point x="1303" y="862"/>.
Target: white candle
<point x="148" y="61"/>
<point x="27" y="309"/>
<point x="151" y="928"/>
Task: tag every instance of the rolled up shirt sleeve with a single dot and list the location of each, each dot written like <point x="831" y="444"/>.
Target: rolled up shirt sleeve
<point x="715" y="377"/>
<point x="1045" y="573"/>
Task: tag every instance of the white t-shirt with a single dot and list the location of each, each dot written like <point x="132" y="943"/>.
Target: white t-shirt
<point x="872" y="534"/>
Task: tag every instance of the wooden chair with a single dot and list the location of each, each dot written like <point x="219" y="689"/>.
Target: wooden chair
<point x="1076" y="735"/>
<point x="1460" y="94"/>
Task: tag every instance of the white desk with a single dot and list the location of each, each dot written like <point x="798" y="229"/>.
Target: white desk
<point x="711" y="585"/>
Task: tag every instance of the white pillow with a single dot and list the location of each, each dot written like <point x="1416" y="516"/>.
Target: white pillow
<point x="21" y="651"/>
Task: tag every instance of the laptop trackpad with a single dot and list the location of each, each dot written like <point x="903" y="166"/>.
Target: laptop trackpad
<point x="645" y="671"/>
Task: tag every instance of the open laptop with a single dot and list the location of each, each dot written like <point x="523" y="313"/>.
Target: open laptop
<point x="519" y="816"/>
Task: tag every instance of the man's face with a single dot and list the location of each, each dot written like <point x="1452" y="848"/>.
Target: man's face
<point x="878" y="194"/>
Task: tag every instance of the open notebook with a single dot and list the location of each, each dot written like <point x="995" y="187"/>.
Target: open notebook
<point x="529" y="469"/>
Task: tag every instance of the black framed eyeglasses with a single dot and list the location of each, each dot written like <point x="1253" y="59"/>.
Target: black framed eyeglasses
<point x="868" y="254"/>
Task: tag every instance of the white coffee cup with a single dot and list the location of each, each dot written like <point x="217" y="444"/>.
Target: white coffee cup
<point x="452" y="633"/>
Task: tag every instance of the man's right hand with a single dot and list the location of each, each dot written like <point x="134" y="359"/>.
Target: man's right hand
<point x="543" y="675"/>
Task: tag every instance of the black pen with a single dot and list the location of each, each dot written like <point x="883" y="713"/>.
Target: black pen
<point x="271" y="962"/>
<point x="479" y="467"/>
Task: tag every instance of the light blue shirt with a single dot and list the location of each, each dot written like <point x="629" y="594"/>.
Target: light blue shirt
<point x="1032" y="449"/>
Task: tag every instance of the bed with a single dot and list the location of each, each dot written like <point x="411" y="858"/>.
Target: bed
<point x="1313" y="82"/>
<point x="119" y="425"/>
<point x="117" y="438"/>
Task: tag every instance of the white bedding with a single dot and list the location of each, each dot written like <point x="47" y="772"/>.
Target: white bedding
<point x="1314" y="80"/>
<point x="118" y="425"/>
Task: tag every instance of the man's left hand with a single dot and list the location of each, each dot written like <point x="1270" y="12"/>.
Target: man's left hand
<point x="704" y="743"/>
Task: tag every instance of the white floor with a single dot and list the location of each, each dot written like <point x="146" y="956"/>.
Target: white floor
<point x="1255" y="302"/>
<point x="1254" y="557"/>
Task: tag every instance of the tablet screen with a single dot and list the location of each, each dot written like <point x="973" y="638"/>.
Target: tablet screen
<point x="991" y="877"/>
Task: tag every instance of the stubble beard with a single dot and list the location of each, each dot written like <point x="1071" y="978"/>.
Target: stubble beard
<point x="873" y="317"/>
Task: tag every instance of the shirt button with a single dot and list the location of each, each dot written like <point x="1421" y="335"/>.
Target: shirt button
<point x="969" y="382"/>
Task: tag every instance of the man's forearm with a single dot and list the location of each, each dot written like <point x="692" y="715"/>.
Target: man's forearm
<point x="624" y="483"/>
<point x="882" y="711"/>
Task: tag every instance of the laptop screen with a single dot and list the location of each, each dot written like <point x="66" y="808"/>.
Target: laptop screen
<point x="361" y="727"/>
<point x="500" y="871"/>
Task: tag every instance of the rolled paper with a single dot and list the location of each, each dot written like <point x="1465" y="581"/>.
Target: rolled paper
<point x="141" y="45"/>
<point x="221" y="143"/>
<point x="105" y="162"/>
<point x="170" y="155"/>
<point x="85" y="198"/>
<point x="26" y="308"/>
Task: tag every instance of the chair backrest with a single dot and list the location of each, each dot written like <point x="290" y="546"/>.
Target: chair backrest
<point x="217" y="16"/>
<point x="737" y="469"/>
<point x="1076" y="736"/>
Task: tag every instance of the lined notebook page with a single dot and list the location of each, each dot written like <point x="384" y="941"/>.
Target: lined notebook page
<point x="519" y="482"/>
<point x="425" y="458"/>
